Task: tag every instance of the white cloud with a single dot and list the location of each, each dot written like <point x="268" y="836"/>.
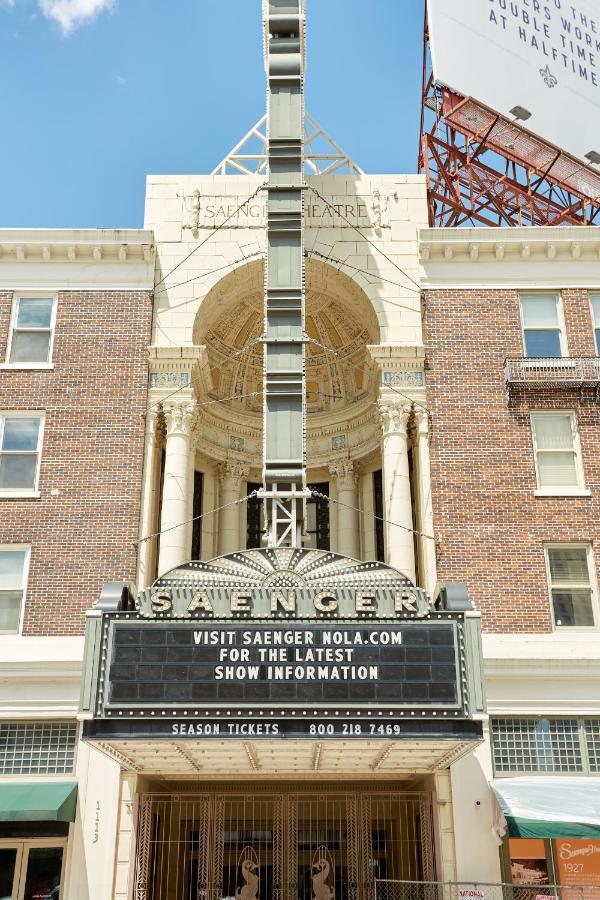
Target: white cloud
<point x="71" y="13"/>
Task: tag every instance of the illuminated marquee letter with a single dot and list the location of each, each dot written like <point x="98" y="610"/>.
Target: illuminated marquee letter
<point x="288" y="604"/>
<point x="240" y="602"/>
<point x="365" y="602"/>
<point x="324" y="602"/>
<point x="162" y="602"/>
<point x="405" y="602"/>
<point x="200" y="600"/>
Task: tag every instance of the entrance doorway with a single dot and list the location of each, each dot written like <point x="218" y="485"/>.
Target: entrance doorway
<point x="31" y="870"/>
<point x="290" y="845"/>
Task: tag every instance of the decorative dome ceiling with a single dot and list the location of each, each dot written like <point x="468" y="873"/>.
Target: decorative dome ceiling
<point x="339" y="320"/>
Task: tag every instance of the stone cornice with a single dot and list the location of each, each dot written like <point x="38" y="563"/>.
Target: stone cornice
<point x="510" y="257"/>
<point x="76" y="259"/>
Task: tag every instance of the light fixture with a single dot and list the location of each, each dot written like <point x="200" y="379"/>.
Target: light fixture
<point x="520" y="113"/>
<point x="594" y="157"/>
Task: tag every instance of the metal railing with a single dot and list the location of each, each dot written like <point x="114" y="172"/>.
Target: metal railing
<point x="450" y="890"/>
<point x="552" y="371"/>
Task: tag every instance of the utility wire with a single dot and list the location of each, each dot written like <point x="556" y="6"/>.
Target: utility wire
<point x="212" y="234"/>
<point x="365" y="238"/>
<point x="234" y="262"/>
<point x="422" y="534"/>
<point x="365" y="370"/>
<point x="369" y="274"/>
<point x="210" y="512"/>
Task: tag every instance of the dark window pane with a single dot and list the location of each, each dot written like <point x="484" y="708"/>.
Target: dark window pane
<point x="254" y="518"/>
<point x="20" y="433"/>
<point x="378" y="504"/>
<point x="8" y="859"/>
<point x="197" y="512"/>
<point x="573" y="608"/>
<point x="30" y="346"/>
<point x="18" y="472"/>
<point x="542" y="343"/>
<point x="598" y="341"/>
<point x="35" y="313"/>
<point x="43" y="873"/>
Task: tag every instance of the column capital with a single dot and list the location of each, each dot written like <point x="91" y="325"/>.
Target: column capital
<point x="345" y="471"/>
<point x="394" y="416"/>
<point x="179" y="415"/>
<point x="422" y="420"/>
<point x="232" y="472"/>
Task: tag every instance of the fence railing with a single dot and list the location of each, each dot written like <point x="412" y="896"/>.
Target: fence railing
<point x="550" y="371"/>
<point x="449" y="890"/>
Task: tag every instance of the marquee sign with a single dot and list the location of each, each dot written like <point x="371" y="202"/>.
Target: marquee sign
<point x="298" y="642"/>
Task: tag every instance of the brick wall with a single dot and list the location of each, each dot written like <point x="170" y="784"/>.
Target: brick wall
<point x="491" y="528"/>
<point x="82" y="529"/>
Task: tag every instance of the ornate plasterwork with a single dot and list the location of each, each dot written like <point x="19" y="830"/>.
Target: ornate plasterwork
<point x="178" y="416"/>
<point x="394" y="416"/>
<point x="232" y="472"/>
<point x="345" y="471"/>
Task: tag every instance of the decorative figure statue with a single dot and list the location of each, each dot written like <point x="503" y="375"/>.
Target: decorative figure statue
<point x="249" y="866"/>
<point x="322" y="865"/>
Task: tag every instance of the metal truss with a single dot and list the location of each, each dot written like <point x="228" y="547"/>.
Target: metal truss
<point x="322" y="155"/>
<point x="485" y="169"/>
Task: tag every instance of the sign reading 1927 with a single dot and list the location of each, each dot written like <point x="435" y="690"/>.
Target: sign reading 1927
<point x="175" y="664"/>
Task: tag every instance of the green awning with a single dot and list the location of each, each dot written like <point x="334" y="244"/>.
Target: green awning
<point x="34" y="801"/>
<point x="550" y="807"/>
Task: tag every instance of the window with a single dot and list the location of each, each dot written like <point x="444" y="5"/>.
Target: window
<point x="13" y="579"/>
<point x="317" y="518"/>
<point x="557" y="452"/>
<point x="32" y="330"/>
<point x="596" y="317"/>
<point x="37" y="748"/>
<point x="569" y="568"/>
<point x="378" y="509"/>
<point x="542" y="331"/>
<point x="20" y="446"/>
<point x="545" y="746"/>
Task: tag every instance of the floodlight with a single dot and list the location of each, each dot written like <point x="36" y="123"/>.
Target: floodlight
<point x="520" y="113"/>
<point x="594" y="157"/>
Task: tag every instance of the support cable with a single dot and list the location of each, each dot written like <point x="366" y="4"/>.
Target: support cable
<point x="209" y="236"/>
<point x="365" y="238"/>
<point x="210" y="512"/>
<point x="373" y="515"/>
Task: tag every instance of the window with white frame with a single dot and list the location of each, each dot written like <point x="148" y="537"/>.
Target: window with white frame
<point x="572" y="585"/>
<point x="20" y="450"/>
<point x="542" y="325"/>
<point x="557" y="452"/>
<point x="32" y="331"/>
<point x="595" y="299"/>
<point x="14" y="561"/>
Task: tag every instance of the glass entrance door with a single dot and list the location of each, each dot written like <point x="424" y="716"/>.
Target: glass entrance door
<point x="31" y="870"/>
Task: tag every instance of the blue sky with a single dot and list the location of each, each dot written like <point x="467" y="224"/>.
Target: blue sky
<point x="95" y="94"/>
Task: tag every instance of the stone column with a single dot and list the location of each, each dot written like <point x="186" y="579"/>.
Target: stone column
<point x="175" y="499"/>
<point x="348" y="540"/>
<point x="397" y="508"/>
<point x="231" y="475"/>
<point x="425" y="501"/>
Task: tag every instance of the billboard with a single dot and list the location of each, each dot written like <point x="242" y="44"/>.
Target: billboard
<point x="543" y="55"/>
